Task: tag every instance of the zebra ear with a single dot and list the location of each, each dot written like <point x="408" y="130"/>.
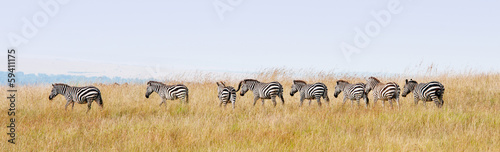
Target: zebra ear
<point x="406" y="80"/>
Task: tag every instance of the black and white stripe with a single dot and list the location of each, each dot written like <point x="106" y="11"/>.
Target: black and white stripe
<point x="226" y="94"/>
<point x="383" y="91"/>
<point x="310" y="91"/>
<point x="168" y="92"/>
<point x="80" y="95"/>
<point x="262" y="90"/>
<point x="427" y="92"/>
<point x="351" y="91"/>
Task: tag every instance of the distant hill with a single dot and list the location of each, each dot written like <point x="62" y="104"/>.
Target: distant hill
<point x="34" y="79"/>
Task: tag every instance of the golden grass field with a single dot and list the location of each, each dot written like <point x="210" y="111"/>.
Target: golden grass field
<point x="468" y="121"/>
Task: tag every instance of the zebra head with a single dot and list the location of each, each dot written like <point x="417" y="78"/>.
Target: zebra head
<point x="339" y="87"/>
<point x="409" y="87"/>
<point x="152" y="86"/>
<point x="245" y="85"/>
<point x="297" y="85"/>
<point x="56" y="89"/>
<point x="371" y="82"/>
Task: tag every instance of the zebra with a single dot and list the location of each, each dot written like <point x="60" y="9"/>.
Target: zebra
<point x="226" y="94"/>
<point x="168" y="92"/>
<point x="352" y="92"/>
<point x="81" y="95"/>
<point x="384" y="91"/>
<point x="432" y="91"/>
<point x="310" y="91"/>
<point x="262" y="90"/>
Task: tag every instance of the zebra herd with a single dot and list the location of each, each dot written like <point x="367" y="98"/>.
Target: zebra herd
<point x="390" y="91"/>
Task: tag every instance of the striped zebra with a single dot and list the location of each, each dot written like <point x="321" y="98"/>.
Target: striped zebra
<point x="383" y="91"/>
<point x="432" y="91"/>
<point x="310" y="91"/>
<point x="226" y="94"/>
<point x="81" y="95"/>
<point x="262" y="90"/>
<point x="352" y="92"/>
<point x="168" y="92"/>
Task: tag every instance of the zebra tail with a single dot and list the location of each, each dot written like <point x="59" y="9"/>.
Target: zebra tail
<point x="325" y="95"/>
<point x="366" y="98"/>
<point x="100" y="102"/>
<point x="440" y="92"/>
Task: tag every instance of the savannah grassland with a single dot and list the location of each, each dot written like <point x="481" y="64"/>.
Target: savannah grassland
<point x="468" y="121"/>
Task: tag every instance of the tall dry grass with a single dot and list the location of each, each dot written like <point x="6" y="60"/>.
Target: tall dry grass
<point x="468" y="121"/>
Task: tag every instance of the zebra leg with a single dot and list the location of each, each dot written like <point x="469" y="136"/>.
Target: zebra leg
<point x="163" y="101"/>
<point x="255" y="100"/>
<point x="390" y="102"/>
<point x="416" y="101"/>
<point x="72" y="105"/>
<point x="375" y="101"/>
<point x="262" y="102"/>
<point x="233" y="104"/>
<point x="89" y="105"/>
<point x="220" y="104"/>
<point x="273" y="98"/>
<point x="343" y="102"/>
<point x="66" y="106"/>
<point x="436" y="101"/>
<point x="319" y="101"/>
<point x="301" y="101"/>
<point x="357" y="100"/>
<point x="310" y="102"/>
<point x="397" y="101"/>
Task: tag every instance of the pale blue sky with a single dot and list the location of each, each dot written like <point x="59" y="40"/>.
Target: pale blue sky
<point x="256" y="34"/>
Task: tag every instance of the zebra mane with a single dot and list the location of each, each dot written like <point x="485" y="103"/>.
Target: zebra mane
<point x="155" y="82"/>
<point x="245" y="81"/>
<point x="250" y="80"/>
<point x="374" y="79"/>
<point x="411" y="81"/>
<point x="339" y="81"/>
<point x="299" y="81"/>
<point x="60" y="84"/>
